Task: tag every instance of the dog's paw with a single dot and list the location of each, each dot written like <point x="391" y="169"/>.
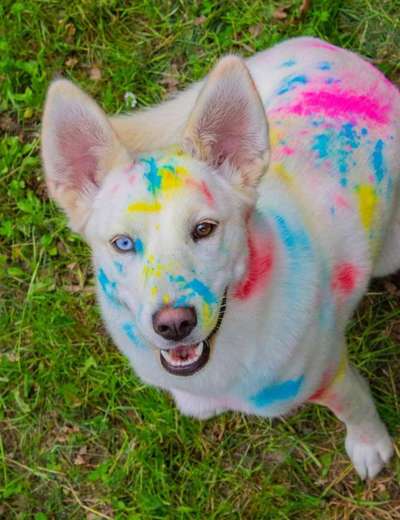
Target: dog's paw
<point x="369" y="452"/>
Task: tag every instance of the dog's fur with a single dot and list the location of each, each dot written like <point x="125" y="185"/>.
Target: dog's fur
<point x="307" y="205"/>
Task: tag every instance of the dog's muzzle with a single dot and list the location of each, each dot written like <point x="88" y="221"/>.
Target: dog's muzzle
<point x="186" y="360"/>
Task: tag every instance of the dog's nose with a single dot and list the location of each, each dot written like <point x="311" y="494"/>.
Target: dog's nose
<point x="174" y="323"/>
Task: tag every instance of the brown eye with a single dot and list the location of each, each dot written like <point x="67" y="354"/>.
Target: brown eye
<point x="203" y="229"/>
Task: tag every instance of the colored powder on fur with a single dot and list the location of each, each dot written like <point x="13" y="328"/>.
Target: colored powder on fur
<point x="202" y="290"/>
<point x="202" y="186"/>
<point x="290" y="83"/>
<point x="259" y="268"/>
<point x="339" y="104"/>
<point x="139" y="248"/>
<point x="144" y="207"/>
<point x="129" y="330"/>
<point x="324" y="65"/>
<point x="378" y="161"/>
<point x="152" y="175"/>
<point x="367" y="202"/>
<point x="109" y="288"/>
<point x="344" y="278"/>
<point x="277" y="392"/>
<point x="329" y="379"/>
<point x="289" y="63"/>
<point x="206" y="192"/>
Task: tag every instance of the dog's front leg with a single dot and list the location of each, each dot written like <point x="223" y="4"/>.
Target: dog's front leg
<point x="368" y="443"/>
<point x="195" y="406"/>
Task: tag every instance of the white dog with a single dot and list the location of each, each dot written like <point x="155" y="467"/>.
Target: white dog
<point x="235" y="228"/>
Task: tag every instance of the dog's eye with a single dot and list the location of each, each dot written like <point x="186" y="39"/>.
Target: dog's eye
<point x="123" y="244"/>
<point x="203" y="229"/>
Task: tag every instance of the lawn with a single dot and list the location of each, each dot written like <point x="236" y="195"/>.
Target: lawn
<point x="80" y="436"/>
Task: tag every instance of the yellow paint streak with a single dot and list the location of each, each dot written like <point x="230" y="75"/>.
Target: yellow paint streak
<point x="154" y="291"/>
<point x="341" y="369"/>
<point x="283" y="174"/>
<point x="166" y="299"/>
<point x="274" y="137"/>
<point x="170" y="180"/>
<point x="152" y="268"/>
<point x="144" y="207"/>
<point x="206" y="314"/>
<point x="367" y="201"/>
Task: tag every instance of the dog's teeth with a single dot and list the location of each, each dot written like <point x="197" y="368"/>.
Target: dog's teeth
<point x="173" y="360"/>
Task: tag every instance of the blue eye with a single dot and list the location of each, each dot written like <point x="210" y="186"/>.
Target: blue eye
<point x="123" y="244"/>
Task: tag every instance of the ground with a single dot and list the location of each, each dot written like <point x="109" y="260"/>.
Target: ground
<point x="81" y="437"/>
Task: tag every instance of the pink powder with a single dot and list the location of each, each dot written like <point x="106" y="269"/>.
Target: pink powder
<point x="259" y="269"/>
<point x="344" y="278"/>
<point x="341" y="202"/>
<point x="286" y="150"/>
<point x="339" y="104"/>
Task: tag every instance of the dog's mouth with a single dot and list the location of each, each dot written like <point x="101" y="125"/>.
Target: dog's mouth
<point x="186" y="360"/>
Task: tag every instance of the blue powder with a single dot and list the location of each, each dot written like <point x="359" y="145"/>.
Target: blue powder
<point x="277" y="392"/>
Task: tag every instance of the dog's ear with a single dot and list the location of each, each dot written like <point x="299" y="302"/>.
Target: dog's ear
<point x="79" y="147"/>
<point x="228" y="125"/>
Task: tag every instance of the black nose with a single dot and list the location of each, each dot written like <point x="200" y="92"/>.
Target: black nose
<point x="174" y="323"/>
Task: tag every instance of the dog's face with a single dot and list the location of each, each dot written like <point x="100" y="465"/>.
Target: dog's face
<point x="168" y="248"/>
<point x="167" y="229"/>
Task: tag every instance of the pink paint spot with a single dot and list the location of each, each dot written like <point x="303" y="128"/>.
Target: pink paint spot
<point x="339" y="104"/>
<point x="132" y="178"/>
<point x="259" y="268"/>
<point x="326" y="380"/>
<point x="344" y="278"/>
<point x="202" y="186"/>
<point x="286" y="150"/>
<point x="129" y="167"/>
<point x="341" y="202"/>
<point x="207" y="193"/>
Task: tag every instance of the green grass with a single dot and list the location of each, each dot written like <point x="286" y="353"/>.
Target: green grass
<point x="81" y="437"/>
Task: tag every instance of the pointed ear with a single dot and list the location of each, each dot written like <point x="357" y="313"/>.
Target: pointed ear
<point x="228" y="124"/>
<point x="79" y="147"/>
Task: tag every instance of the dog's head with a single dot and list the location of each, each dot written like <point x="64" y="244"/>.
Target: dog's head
<point x="167" y="229"/>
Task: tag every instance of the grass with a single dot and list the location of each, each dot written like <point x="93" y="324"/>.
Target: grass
<point x="81" y="437"/>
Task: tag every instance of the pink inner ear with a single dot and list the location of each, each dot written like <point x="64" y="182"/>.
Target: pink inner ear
<point x="232" y="134"/>
<point x="78" y="139"/>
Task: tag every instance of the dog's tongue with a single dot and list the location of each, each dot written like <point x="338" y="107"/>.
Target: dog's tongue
<point x="183" y="353"/>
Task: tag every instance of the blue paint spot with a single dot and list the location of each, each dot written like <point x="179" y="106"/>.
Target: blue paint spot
<point x="177" y="279"/>
<point x="196" y="286"/>
<point x="329" y="81"/>
<point x="183" y="300"/>
<point x="324" y="65"/>
<point x="364" y="131"/>
<point x="129" y="330"/>
<point x="290" y="83"/>
<point x="292" y="239"/>
<point x="378" y="161"/>
<point x="108" y="288"/>
<point x="321" y="145"/>
<point x="119" y="267"/>
<point x="202" y="290"/>
<point x="152" y="176"/>
<point x="289" y="63"/>
<point x="343" y="182"/>
<point x="277" y="392"/>
<point x="338" y="147"/>
<point x="139" y="249"/>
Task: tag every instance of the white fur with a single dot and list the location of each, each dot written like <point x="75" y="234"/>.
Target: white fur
<point x="295" y="247"/>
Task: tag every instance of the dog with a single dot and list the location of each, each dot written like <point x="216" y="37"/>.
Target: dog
<point x="235" y="228"/>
